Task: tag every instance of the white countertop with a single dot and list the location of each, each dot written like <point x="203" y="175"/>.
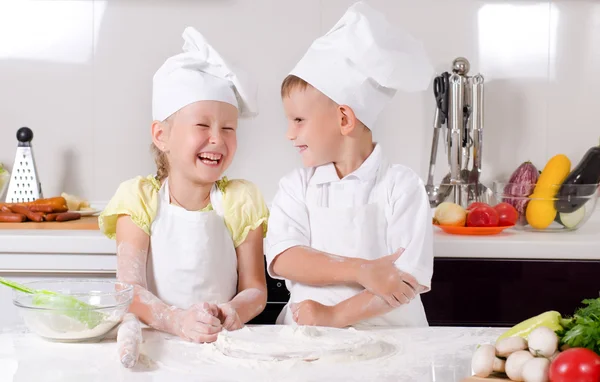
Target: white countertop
<point x="421" y="355"/>
<point x="583" y="244"/>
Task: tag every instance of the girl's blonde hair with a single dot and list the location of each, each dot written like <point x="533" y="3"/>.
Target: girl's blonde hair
<point x="160" y="157"/>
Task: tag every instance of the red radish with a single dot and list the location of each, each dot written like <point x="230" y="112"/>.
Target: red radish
<point x="507" y="214"/>
<point x="483" y="216"/>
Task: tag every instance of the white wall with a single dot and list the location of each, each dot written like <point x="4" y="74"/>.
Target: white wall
<point x="79" y="74"/>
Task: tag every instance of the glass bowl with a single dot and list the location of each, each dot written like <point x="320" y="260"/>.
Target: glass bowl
<point x="567" y="211"/>
<point x="100" y="307"/>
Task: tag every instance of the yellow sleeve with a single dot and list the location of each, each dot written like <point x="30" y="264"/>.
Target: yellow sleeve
<point x="138" y="198"/>
<point x="244" y="209"/>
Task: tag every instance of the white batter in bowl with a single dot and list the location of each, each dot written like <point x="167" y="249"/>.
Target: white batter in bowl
<point x="108" y="301"/>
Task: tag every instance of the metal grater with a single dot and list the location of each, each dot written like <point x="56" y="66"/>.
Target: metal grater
<point x="24" y="185"/>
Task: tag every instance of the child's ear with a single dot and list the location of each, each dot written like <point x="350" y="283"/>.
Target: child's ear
<point x="347" y="119"/>
<point x="160" y="135"/>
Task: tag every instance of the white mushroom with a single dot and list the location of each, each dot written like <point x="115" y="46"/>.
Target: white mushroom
<point x="507" y="346"/>
<point x="515" y="363"/>
<point x="556" y="353"/>
<point x="536" y="370"/>
<point x="485" y="362"/>
<point x="543" y="342"/>
<point x="499" y="365"/>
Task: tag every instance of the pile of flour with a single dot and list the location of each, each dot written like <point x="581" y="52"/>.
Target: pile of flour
<point x="304" y="343"/>
<point x="59" y="327"/>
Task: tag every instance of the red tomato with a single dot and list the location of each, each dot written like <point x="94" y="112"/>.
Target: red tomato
<point x="483" y="216"/>
<point x="476" y="204"/>
<point x="575" y="364"/>
<point x="508" y="214"/>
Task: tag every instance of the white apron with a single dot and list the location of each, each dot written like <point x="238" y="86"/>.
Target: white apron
<point x="192" y="256"/>
<point x="359" y="232"/>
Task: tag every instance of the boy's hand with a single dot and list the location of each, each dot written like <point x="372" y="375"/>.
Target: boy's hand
<point x="382" y="278"/>
<point x="312" y="313"/>
<point x="229" y="317"/>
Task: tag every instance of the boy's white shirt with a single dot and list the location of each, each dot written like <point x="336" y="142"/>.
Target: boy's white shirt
<point x="401" y="195"/>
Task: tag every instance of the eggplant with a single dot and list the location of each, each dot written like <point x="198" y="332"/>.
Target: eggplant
<point x="521" y="184"/>
<point x="581" y="184"/>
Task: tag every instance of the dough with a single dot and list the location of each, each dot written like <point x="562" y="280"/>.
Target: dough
<point x="305" y="343"/>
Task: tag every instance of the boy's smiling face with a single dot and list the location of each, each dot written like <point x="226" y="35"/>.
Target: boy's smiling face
<point x="313" y="125"/>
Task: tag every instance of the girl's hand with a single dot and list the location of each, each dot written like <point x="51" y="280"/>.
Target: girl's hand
<point x="199" y="323"/>
<point x="229" y="317"/>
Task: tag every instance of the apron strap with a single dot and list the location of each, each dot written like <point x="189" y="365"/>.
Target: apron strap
<point x="216" y="197"/>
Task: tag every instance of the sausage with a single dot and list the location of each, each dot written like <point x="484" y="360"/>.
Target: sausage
<point x="9" y="217"/>
<point x="66" y="216"/>
<point x="57" y="204"/>
<point x="46" y="208"/>
<point x="50" y="217"/>
<point x="33" y="216"/>
<point x="5" y="208"/>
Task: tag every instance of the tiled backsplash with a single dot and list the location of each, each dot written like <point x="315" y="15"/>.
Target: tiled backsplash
<point x="78" y="73"/>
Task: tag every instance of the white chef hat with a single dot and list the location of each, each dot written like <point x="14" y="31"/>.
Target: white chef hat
<point x="363" y="60"/>
<point x="200" y="74"/>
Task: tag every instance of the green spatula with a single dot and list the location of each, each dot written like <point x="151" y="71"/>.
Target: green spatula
<point x="61" y="304"/>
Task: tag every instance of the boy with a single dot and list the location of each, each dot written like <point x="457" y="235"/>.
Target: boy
<point x="351" y="234"/>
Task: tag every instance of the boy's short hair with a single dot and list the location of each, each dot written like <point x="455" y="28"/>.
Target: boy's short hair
<point x="292" y="82"/>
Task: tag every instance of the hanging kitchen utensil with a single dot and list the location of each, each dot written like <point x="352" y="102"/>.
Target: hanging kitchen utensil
<point x="24" y="183"/>
<point x="464" y="138"/>
<point x="440" y="90"/>
<point x="482" y="193"/>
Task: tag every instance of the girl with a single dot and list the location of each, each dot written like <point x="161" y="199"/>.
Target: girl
<point x="190" y="241"/>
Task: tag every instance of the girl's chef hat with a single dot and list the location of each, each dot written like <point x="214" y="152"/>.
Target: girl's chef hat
<point x="363" y="60"/>
<point x="200" y="74"/>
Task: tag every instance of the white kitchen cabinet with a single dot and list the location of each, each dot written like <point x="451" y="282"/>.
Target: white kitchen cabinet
<point x="9" y="315"/>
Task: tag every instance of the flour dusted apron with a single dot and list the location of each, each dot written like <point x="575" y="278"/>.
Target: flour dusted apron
<point x="192" y="257"/>
<point x="359" y="232"/>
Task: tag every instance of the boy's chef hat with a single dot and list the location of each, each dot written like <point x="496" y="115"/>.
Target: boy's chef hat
<point x="200" y="74"/>
<point x="363" y="60"/>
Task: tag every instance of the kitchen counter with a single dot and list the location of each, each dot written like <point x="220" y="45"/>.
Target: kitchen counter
<point x="583" y="244"/>
<point x="421" y="355"/>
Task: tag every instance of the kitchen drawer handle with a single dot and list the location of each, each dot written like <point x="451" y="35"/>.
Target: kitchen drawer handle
<point x="60" y="271"/>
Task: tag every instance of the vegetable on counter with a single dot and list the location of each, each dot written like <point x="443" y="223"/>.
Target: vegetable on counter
<point x="550" y="319"/>
<point x="450" y="214"/>
<point x="521" y="184"/>
<point x="507" y="214"/>
<point x="478" y="214"/>
<point x="577" y="364"/>
<point x="583" y="329"/>
<point x="572" y="219"/>
<point x="525" y="361"/>
<point x="580" y="184"/>
<point x="548" y="347"/>
<point x="540" y="212"/>
<point x="483" y="216"/>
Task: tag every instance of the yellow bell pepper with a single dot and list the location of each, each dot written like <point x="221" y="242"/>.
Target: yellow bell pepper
<point x="550" y="319"/>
